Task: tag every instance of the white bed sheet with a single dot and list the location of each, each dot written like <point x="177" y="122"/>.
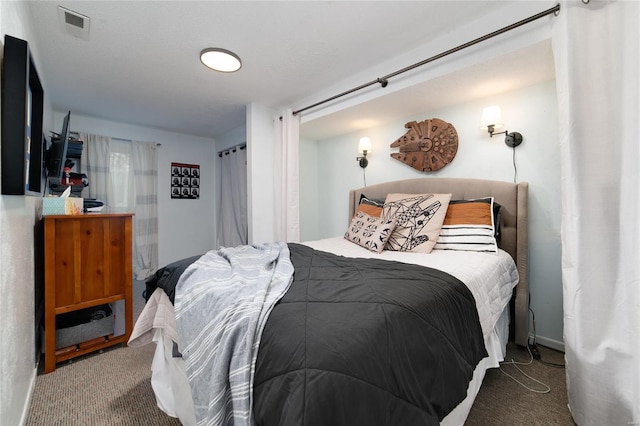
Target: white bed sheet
<point x="490" y="277"/>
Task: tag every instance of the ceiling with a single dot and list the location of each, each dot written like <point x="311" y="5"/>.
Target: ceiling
<point x="140" y="63"/>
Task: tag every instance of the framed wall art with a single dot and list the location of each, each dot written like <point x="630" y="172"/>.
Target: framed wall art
<point x="185" y="181"/>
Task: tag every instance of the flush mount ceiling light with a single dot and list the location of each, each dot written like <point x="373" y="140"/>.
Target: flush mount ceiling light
<point x="220" y="59"/>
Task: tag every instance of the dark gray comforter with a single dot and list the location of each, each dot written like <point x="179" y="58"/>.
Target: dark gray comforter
<point x="363" y="342"/>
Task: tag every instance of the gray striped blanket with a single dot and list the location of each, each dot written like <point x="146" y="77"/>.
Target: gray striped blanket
<point x="222" y="303"/>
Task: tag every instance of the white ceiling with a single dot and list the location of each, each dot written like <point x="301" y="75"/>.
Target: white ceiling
<point x="141" y="63"/>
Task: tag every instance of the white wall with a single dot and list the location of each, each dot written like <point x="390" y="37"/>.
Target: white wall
<point x="232" y="138"/>
<point x="260" y="173"/>
<point x="531" y="111"/>
<point x="18" y="216"/>
<point x="185" y="227"/>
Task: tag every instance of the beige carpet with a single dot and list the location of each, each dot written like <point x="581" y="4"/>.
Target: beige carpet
<point x="503" y="401"/>
<point x="111" y="388"/>
<point x="99" y="389"/>
<point x="114" y="388"/>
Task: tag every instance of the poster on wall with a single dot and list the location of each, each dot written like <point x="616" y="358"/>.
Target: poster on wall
<point x="185" y="181"/>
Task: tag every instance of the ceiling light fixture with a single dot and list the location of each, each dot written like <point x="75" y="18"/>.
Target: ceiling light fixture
<point x="220" y="59"/>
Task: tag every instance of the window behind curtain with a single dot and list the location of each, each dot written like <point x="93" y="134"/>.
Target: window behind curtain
<point x="123" y="174"/>
<point x="121" y="197"/>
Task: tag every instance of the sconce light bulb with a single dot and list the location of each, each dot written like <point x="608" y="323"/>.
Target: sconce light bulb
<point x="364" y="145"/>
<point x="491" y="116"/>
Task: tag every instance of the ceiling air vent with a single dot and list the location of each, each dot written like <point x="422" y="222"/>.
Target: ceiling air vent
<point x="73" y="23"/>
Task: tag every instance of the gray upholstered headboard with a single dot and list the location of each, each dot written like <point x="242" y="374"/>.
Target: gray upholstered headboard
<point x="513" y="198"/>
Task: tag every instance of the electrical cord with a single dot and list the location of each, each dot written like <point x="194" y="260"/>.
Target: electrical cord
<point x="534" y="347"/>
<point x="515" y="168"/>
<point x="545" y="387"/>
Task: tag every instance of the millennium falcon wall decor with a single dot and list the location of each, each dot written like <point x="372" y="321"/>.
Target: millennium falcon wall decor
<point x="428" y="145"/>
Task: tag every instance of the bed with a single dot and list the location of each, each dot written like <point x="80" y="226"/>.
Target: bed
<point x="355" y="337"/>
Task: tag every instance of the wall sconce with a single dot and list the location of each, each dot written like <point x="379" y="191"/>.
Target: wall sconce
<point x="492" y="120"/>
<point x="364" y="148"/>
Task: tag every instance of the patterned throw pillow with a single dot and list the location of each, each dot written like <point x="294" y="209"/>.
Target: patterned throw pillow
<point x="369" y="232"/>
<point x="469" y="226"/>
<point x="418" y="218"/>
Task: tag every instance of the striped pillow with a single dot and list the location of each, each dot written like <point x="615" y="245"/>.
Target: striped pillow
<point x="370" y="206"/>
<point x="469" y="226"/>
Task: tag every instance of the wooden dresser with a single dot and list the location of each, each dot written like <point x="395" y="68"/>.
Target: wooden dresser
<point x="88" y="262"/>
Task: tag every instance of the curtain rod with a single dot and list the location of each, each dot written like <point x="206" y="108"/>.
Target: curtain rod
<point x="233" y="148"/>
<point x="130" y="140"/>
<point x="383" y="81"/>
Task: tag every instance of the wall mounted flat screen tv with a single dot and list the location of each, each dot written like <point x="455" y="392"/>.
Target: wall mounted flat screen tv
<point x="56" y="155"/>
<point x="22" y="112"/>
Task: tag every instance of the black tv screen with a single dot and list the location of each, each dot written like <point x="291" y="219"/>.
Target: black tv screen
<point x="57" y="153"/>
<point x="22" y="111"/>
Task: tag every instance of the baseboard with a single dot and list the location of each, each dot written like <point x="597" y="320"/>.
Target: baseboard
<point x="550" y="343"/>
<point x="32" y="386"/>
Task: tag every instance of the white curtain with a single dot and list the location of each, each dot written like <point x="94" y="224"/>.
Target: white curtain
<point x="145" y="188"/>
<point x="597" y="54"/>
<point x="286" y="177"/>
<point x="232" y="222"/>
<point x="120" y="187"/>
<point x="124" y="175"/>
<point x="96" y="165"/>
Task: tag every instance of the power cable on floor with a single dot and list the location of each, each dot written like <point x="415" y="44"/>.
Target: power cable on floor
<point x="533" y="347"/>
<point x="545" y="389"/>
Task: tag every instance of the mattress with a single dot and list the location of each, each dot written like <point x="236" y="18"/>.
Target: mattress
<point x="490" y="278"/>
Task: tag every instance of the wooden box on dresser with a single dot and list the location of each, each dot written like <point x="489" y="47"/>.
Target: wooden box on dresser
<point x="87" y="262"/>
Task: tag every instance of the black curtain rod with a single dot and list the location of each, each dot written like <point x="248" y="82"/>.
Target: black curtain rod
<point x="232" y="149"/>
<point x="383" y="81"/>
<point x="129" y="140"/>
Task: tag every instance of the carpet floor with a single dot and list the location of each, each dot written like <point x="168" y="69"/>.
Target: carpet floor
<point x="114" y="388"/>
<point x="503" y="401"/>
